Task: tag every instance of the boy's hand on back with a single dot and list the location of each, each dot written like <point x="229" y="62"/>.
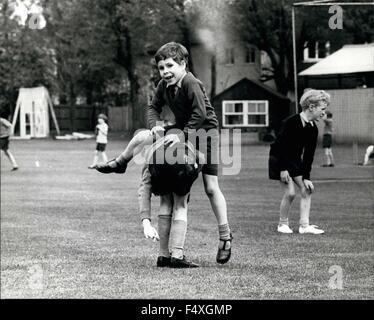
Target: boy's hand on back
<point x="285" y="176"/>
<point x="156" y="129"/>
<point x="171" y="139"/>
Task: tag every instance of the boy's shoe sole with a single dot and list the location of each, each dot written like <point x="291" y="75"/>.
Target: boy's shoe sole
<point x="106" y="168"/>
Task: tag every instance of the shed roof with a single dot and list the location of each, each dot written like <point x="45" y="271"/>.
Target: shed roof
<point x="252" y="82"/>
<point x="353" y="58"/>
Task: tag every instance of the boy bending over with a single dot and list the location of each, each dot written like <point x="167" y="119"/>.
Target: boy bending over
<point x="291" y="158"/>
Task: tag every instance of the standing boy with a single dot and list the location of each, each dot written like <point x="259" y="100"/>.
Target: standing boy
<point x="291" y="158"/>
<point x="187" y="99"/>
<point x="101" y="131"/>
<point x="327" y="139"/>
<point x="5" y="131"/>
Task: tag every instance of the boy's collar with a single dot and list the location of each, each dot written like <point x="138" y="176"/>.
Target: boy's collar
<point x="179" y="83"/>
<point x="305" y="120"/>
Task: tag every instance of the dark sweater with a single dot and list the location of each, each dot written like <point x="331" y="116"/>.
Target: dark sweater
<point x="191" y="106"/>
<point x="295" y="143"/>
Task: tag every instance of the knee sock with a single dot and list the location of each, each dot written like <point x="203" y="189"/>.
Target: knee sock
<point x="164" y="223"/>
<point x="122" y="160"/>
<point x="224" y="231"/>
<point x="283" y="220"/>
<point x="177" y="238"/>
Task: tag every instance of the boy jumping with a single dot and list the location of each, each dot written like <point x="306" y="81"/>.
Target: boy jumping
<point x="187" y="99"/>
<point x="291" y="158"/>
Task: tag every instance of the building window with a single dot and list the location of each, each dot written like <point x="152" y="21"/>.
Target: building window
<point x="316" y="50"/>
<point x="245" y="113"/>
<point x="229" y="56"/>
<point x="250" y="55"/>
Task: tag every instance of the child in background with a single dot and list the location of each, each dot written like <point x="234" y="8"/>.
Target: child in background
<point x="101" y="132"/>
<point x="369" y="156"/>
<point x="291" y="157"/>
<point x="327" y="140"/>
<point x="5" y="132"/>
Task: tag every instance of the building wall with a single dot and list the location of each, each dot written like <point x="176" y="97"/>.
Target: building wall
<point x="279" y="109"/>
<point x="226" y="74"/>
<point x="229" y="74"/>
<point x="353" y="115"/>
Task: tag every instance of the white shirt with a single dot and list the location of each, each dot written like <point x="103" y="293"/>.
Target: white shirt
<point x="304" y="119"/>
<point x="102" y="134"/>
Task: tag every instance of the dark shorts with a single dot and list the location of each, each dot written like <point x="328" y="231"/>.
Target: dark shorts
<point x="100" y="147"/>
<point x="164" y="182"/>
<point x="294" y="168"/>
<point x="4" y="143"/>
<point x="327" y="141"/>
<point x="210" y="148"/>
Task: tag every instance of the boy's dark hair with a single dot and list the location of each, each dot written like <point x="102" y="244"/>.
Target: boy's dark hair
<point x="328" y="114"/>
<point x="103" y="116"/>
<point x="173" y="50"/>
<point x="178" y="178"/>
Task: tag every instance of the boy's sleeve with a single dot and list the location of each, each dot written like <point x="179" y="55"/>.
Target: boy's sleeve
<point x="5" y="122"/>
<point x="155" y="108"/>
<point x="284" y="141"/>
<point x="308" y="155"/>
<point x="196" y="96"/>
<point x="145" y="194"/>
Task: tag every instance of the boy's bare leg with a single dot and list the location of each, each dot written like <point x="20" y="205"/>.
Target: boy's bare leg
<point x="95" y="160"/>
<point x="285" y="206"/>
<point x="136" y="145"/>
<point x="219" y="206"/>
<point x="11" y="158"/>
<point x="164" y="224"/>
<point x="305" y="202"/>
<point x="104" y="156"/>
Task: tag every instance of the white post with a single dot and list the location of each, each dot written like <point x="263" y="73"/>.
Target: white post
<point x="294" y="57"/>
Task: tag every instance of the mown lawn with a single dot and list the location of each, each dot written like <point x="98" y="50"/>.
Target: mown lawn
<point x="70" y="232"/>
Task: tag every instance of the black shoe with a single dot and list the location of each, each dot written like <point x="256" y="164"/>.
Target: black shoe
<point x="163" y="261"/>
<point x="331" y="165"/>
<point x="111" y="166"/>
<point x="14" y="169"/>
<point x="223" y="255"/>
<point x="182" y="263"/>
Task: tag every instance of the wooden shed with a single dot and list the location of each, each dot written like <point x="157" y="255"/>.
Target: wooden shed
<point x="251" y="104"/>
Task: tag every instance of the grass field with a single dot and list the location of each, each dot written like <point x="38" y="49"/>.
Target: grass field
<point x="70" y="232"/>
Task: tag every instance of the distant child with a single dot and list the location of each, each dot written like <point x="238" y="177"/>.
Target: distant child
<point x="291" y="157"/>
<point x="5" y="132"/>
<point x="101" y="132"/>
<point x="327" y="139"/>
